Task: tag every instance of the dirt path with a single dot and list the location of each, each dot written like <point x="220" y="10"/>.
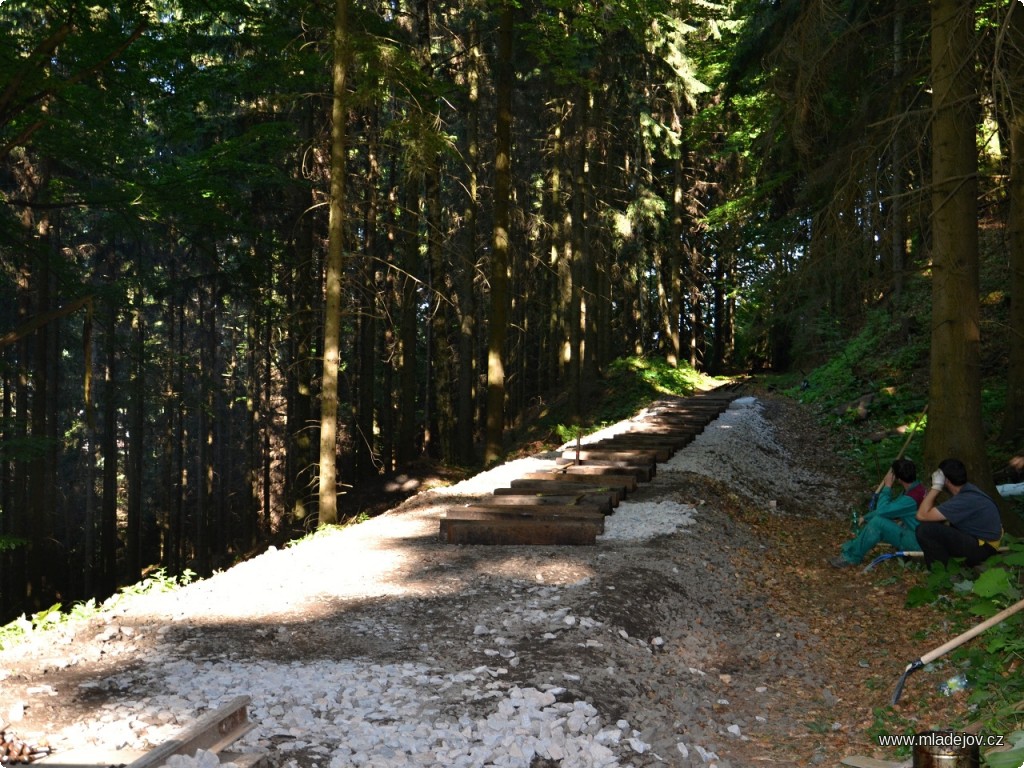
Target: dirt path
<point x="729" y="642"/>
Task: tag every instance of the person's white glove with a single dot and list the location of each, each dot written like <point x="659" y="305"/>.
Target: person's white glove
<point x="938" y="480"/>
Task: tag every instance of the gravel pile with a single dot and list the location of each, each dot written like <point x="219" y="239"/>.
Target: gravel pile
<point x="380" y="646"/>
<point x="740" y="448"/>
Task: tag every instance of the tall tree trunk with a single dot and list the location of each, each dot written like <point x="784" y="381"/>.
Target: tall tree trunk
<point x="438" y="350"/>
<point x="561" y="253"/>
<point x="210" y="413"/>
<point x="106" y="582"/>
<point x="7" y="581"/>
<point x="266" y="389"/>
<point x="897" y="211"/>
<point x="466" y="293"/>
<point x="389" y="401"/>
<point x="577" y="201"/>
<point x="83" y="559"/>
<point x="20" y="517"/>
<point x="365" y="459"/>
<point x="174" y="459"/>
<point x="407" y="448"/>
<point x="300" y="368"/>
<point x="55" y="570"/>
<point x="724" y="330"/>
<point x="954" y="419"/>
<point x="497" y="332"/>
<point x="670" y="289"/>
<point x="696" y="336"/>
<point x="588" y="256"/>
<point x="41" y="473"/>
<point x="328" y="495"/>
<point x="1011" y="76"/>
<point x="257" y="393"/>
<point x="439" y="385"/>
<point x="136" y="453"/>
<point x="204" y="511"/>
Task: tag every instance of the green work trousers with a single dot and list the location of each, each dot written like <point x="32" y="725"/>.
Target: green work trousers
<point x="876" y="530"/>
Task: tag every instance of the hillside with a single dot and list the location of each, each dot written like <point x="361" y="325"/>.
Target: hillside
<point x="721" y="638"/>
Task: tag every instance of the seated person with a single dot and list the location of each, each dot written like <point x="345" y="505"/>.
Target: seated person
<point x="967" y="525"/>
<point x="893" y="520"/>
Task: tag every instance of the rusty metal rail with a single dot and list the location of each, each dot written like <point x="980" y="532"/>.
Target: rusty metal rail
<point x="213" y="732"/>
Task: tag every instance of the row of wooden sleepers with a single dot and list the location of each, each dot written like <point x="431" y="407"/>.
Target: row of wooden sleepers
<point x="566" y="504"/>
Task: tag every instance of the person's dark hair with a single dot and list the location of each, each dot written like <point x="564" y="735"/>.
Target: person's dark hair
<point x="954" y="470"/>
<point x="904" y="469"/>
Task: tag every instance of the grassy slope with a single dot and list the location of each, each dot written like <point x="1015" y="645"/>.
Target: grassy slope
<point x="887" y="362"/>
<point x="872" y="389"/>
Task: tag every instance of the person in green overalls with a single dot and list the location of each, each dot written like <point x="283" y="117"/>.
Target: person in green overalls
<point x="893" y="520"/>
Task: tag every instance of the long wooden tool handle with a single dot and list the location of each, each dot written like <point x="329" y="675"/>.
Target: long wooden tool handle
<point x="905" y="444"/>
<point x="972" y="632"/>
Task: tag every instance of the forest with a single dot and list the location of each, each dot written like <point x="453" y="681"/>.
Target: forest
<point x="254" y="253"/>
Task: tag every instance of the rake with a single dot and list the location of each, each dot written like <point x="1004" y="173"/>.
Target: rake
<point x="956" y="642"/>
<point x="874" y="497"/>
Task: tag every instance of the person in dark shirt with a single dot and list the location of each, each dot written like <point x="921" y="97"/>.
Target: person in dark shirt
<point x="893" y="520"/>
<point x="967" y="525"/>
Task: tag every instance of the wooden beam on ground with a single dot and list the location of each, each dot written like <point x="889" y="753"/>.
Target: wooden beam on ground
<point x="633" y="457"/>
<point x="590" y="466"/>
<point x="679" y="435"/>
<point x="600" y="501"/>
<point x="549" y="485"/>
<point x="625" y="483"/>
<point x="510" y="532"/>
<point x="679" y="420"/>
<point x="689" y="406"/>
<point x="568" y="466"/>
<point x="523" y="514"/>
<point x="676" y="437"/>
<point x="664" y="447"/>
<point x="661" y="449"/>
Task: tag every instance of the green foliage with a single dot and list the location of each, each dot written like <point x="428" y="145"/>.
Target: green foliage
<point x="8" y="543"/>
<point x="631" y="383"/>
<point x="567" y="433"/>
<point x="970" y="596"/>
<point x="845" y="375"/>
<point x="658" y="375"/>
<point x="320" y="532"/>
<point x="628" y="385"/>
<point x="885" y="361"/>
<point x="25" y="448"/>
<point x="879" y="366"/>
<point x="23" y="625"/>
<point x="937" y="581"/>
<point x="159" y="581"/>
<point x="995" y="583"/>
<point x="1013" y="757"/>
<point x="18" y="630"/>
<point x="819" y="726"/>
<point x="887" y="721"/>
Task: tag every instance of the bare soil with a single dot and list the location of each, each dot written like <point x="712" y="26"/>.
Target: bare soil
<point x="755" y="628"/>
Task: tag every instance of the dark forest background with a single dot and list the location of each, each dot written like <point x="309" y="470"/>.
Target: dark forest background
<point x="468" y="210"/>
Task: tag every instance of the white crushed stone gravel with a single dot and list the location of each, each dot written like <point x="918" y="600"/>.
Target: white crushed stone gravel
<point x="740" y="447"/>
<point x="637" y="521"/>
